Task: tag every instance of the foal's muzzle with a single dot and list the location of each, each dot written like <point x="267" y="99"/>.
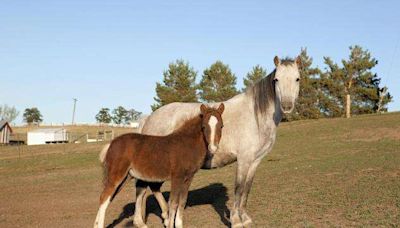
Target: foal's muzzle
<point x="212" y="148"/>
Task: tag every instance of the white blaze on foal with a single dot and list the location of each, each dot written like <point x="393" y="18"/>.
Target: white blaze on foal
<point x="213" y="124"/>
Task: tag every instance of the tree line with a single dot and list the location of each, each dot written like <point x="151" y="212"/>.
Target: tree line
<point x="30" y="115"/>
<point x="119" y="115"/>
<point x="337" y="90"/>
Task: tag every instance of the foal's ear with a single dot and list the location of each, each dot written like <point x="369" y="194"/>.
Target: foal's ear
<point x="221" y="108"/>
<point x="203" y="109"/>
<point x="277" y="61"/>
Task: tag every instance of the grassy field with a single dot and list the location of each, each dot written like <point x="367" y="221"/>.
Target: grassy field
<point x="321" y="173"/>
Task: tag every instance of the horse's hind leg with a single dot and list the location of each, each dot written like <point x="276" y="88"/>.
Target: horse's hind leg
<point x="138" y="218"/>
<point x="156" y="189"/>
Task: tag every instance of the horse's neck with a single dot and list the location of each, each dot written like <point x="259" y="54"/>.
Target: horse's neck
<point x="244" y="102"/>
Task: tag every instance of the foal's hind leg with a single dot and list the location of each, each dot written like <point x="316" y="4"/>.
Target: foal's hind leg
<point x="112" y="183"/>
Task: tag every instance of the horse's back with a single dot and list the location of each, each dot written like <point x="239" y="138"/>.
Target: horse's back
<point x="166" y="119"/>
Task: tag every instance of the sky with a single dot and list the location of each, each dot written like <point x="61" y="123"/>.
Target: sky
<point x="111" y="53"/>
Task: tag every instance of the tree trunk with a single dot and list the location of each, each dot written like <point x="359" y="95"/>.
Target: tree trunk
<point x="348" y="103"/>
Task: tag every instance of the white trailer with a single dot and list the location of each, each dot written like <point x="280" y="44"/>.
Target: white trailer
<point x="47" y="136"/>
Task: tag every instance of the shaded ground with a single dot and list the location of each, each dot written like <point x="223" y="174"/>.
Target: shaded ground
<point x="335" y="172"/>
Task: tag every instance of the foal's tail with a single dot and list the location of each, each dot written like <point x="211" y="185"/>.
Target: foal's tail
<point x="103" y="153"/>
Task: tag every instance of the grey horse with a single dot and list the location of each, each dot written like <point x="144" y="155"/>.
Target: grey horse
<point x="250" y="122"/>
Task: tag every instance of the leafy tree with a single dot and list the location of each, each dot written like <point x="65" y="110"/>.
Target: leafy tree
<point x="8" y="113"/>
<point x="352" y="88"/>
<point x="133" y="115"/>
<point x="307" y="104"/>
<point x="179" y="85"/>
<point x="218" y="83"/>
<point x="120" y="115"/>
<point x="254" y="76"/>
<point x="103" y="116"/>
<point x="32" y="115"/>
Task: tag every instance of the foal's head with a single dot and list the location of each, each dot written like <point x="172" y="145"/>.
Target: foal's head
<point x="212" y="125"/>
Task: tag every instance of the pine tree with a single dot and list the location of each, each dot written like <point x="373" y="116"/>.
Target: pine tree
<point x="307" y="104"/>
<point x="179" y="85"/>
<point x="257" y="73"/>
<point x="353" y="88"/>
<point x="217" y="83"/>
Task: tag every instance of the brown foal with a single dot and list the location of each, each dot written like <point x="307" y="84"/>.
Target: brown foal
<point x="176" y="157"/>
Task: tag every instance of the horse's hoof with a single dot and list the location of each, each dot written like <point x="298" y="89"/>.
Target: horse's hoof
<point x="246" y="220"/>
<point x="166" y="222"/>
<point x="237" y="225"/>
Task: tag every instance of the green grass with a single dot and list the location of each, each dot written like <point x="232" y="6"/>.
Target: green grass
<point x="321" y="173"/>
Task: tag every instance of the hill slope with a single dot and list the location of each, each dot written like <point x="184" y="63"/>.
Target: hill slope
<point x="331" y="172"/>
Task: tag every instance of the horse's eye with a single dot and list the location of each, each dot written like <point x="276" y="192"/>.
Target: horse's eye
<point x="222" y="126"/>
<point x="298" y="79"/>
<point x="275" y="79"/>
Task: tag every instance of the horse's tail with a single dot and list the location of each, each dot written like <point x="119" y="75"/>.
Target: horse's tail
<point x="103" y="153"/>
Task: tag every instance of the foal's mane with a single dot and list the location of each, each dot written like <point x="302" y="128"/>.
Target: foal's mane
<point x="189" y="126"/>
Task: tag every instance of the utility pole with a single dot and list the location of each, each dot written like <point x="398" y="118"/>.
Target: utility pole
<point x="73" y="112"/>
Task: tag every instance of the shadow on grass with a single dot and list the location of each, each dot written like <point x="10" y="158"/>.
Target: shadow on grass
<point x="214" y="194"/>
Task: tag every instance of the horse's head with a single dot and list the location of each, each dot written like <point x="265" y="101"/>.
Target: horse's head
<point x="287" y="81"/>
<point x="212" y="125"/>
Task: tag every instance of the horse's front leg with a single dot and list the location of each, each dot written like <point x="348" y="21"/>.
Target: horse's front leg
<point x="246" y="220"/>
<point x="241" y="173"/>
<point x="141" y="191"/>
<point x="156" y="189"/>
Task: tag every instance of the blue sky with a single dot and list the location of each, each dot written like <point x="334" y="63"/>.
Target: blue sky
<point x="110" y="53"/>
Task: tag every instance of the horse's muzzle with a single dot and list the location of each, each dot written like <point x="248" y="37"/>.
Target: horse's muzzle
<point x="287" y="107"/>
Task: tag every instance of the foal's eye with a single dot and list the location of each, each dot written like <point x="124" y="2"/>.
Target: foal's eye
<point x="298" y="79"/>
<point x="222" y="126"/>
<point x="275" y="79"/>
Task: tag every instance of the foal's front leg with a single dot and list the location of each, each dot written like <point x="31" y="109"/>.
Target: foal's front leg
<point x="182" y="202"/>
<point x="176" y="185"/>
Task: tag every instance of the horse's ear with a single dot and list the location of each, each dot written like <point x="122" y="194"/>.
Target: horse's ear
<point x="221" y="108"/>
<point x="203" y="109"/>
<point x="277" y="61"/>
<point x="298" y="61"/>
